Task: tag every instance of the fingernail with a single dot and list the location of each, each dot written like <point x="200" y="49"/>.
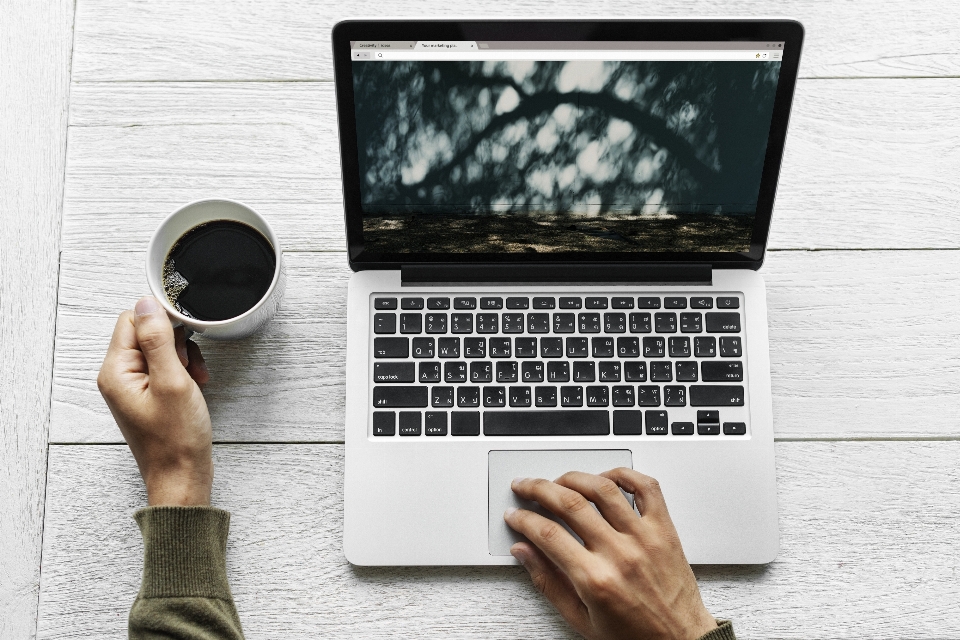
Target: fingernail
<point x="509" y="512"/>
<point x="516" y="481"/>
<point x="519" y="555"/>
<point x="146" y="305"/>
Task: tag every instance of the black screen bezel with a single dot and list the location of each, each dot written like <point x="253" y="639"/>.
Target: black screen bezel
<point x="788" y="31"/>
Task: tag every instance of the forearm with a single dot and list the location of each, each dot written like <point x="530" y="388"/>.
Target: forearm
<point x="724" y="631"/>
<point x="184" y="593"/>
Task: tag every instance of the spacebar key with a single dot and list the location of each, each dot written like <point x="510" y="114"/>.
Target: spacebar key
<point x="546" y="423"/>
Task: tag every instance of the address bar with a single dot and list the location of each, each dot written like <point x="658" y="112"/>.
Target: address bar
<point x="567" y="55"/>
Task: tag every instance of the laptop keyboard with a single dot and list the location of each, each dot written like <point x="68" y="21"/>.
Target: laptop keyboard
<point x="558" y="366"/>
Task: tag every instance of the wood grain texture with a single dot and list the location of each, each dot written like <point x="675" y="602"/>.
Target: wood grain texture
<point x="290" y="39"/>
<point x="35" y="43"/>
<point x="863" y="344"/>
<point x="863" y="168"/>
<point x="869" y="533"/>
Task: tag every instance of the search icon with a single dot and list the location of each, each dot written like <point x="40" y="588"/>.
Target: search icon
<point x="379" y="55"/>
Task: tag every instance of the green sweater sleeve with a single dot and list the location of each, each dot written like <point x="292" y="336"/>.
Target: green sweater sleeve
<point x="184" y="593"/>
<point x="724" y="631"/>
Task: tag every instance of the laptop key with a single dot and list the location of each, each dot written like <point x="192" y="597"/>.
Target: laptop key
<point x="635" y="371"/>
<point x="691" y="323"/>
<point x="435" y="423"/>
<point x="716" y="395"/>
<point x="628" y="347"/>
<point x="391" y="347"/>
<point x="494" y="396"/>
<point x="454" y="372"/>
<point x="438" y="303"/>
<point x="602" y="347"/>
<point x="390" y="396"/>
<point x="701" y="303"/>
<point x="519" y="396"/>
<point x="720" y="371"/>
<point x="531" y="372"/>
<point x="598" y="396"/>
<point x="464" y="303"/>
<point x="664" y="322"/>
<point x="609" y="371"/>
<point x="436" y="322"/>
<point x="564" y="323"/>
<point x="627" y="423"/>
<point x="571" y="396"/>
<point x="394" y="372"/>
<point x="679" y="347"/>
<point x="488" y="323"/>
<point x="558" y="371"/>
<point x="442" y="396"/>
<point x="411" y="323"/>
<point x="384" y="323"/>
<point x="538" y="323"/>
<point x="448" y="347"/>
<point x="661" y="371"/>
<point x="725" y="322"/>
<point x="474" y="347"/>
<point x="409" y="423"/>
<point x="648" y="396"/>
<point x="584" y="372"/>
<point x="507" y="371"/>
<point x="545" y="396"/>
<point x="708" y="429"/>
<point x="464" y="423"/>
<point x="730" y="347"/>
<point x="648" y="303"/>
<point x="577" y="347"/>
<point x="675" y="303"/>
<point x="682" y="428"/>
<point x="674" y="396"/>
<point x="411" y="304"/>
<point x="728" y="303"/>
<point x="614" y="322"/>
<point x="571" y="303"/>
<point x="500" y="348"/>
<point x="384" y="423"/>
<point x="481" y="372"/>
<point x="589" y="323"/>
<point x="491" y="303"/>
<point x="687" y="371"/>
<point x="513" y="323"/>
<point x="551" y="347"/>
<point x="518" y="303"/>
<point x="468" y="396"/>
<point x="640" y="323"/>
<point x="422" y="347"/>
<point x="656" y="423"/>
<point x="461" y="323"/>
<point x="385" y="303"/>
<point x="654" y="347"/>
<point x="705" y="347"/>
<point x="546" y="423"/>
<point x="708" y="416"/>
<point x="429" y="371"/>
<point x="596" y="303"/>
<point x="623" y="396"/>
<point x="734" y="428"/>
<point x="544" y="303"/>
<point x="526" y="347"/>
<point x="622" y="303"/>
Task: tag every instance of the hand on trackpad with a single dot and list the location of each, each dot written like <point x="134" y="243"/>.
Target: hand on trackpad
<point x="504" y="466"/>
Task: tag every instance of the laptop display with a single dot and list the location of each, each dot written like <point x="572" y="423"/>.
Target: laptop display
<point x="527" y="147"/>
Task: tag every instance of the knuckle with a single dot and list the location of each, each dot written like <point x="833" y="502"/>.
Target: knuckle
<point x="174" y="385"/>
<point x="608" y="488"/>
<point x="549" y="531"/>
<point x="540" y="581"/>
<point x="602" y="585"/>
<point x="652" y="485"/>
<point x="572" y="501"/>
<point x="152" y="339"/>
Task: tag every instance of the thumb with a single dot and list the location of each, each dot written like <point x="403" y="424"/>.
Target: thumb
<point x="155" y="339"/>
<point x="553" y="584"/>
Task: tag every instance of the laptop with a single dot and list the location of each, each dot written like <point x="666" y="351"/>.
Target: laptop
<point x="555" y="229"/>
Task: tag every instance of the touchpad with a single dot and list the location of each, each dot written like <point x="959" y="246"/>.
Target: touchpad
<point x="504" y="466"/>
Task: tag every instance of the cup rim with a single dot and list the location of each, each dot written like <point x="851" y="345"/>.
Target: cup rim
<point x="187" y="320"/>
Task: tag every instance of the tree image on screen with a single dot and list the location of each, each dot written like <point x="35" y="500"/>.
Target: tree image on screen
<point x="583" y="155"/>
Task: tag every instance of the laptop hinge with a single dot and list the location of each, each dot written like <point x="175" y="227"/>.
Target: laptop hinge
<point x="578" y="274"/>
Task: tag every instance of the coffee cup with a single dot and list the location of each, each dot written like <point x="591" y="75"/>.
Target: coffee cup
<point x="187" y="219"/>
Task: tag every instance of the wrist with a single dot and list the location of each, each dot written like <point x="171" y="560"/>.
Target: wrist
<point x="181" y="488"/>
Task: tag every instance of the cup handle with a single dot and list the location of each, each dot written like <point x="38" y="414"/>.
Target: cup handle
<point x="187" y="331"/>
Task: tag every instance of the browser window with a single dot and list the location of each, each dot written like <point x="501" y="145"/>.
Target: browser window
<point x="486" y="146"/>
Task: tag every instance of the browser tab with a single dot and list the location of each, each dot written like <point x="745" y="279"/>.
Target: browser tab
<point x="446" y="45"/>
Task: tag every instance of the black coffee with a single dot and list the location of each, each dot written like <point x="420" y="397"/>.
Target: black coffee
<point x="218" y="270"/>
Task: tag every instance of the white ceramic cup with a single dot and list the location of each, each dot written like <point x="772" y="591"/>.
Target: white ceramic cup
<point x="186" y="218"/>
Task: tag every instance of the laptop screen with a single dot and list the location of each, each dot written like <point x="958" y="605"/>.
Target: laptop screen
<point x="562" y="147"/>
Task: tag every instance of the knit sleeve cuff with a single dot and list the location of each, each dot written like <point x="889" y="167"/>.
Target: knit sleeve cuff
<point x="184" y="552"/>
<point x="724" y="631"/>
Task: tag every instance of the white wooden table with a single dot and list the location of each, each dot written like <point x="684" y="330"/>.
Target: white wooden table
<point x="114" y="113"/>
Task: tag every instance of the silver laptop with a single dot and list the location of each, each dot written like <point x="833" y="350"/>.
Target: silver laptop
<point x="555" y="229"/>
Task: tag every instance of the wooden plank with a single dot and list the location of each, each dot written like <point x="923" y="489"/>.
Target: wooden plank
<point x="862" y="345"/>
<point x="290" y="39"/>
<point x="35" y="44"/>
<point x="860" y="154"/>
<point x="869" y="533"/>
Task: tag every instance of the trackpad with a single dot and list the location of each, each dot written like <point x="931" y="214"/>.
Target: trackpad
<point x="504" y="466"/>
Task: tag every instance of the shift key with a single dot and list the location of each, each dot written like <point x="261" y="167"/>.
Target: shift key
<point x="716" y="395"/>
<point x="412" y="396"/>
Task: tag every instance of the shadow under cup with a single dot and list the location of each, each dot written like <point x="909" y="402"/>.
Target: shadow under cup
<point x="173" y="228"/>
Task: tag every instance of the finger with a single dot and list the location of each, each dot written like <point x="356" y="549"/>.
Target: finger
<point x="566" y="504"/>
<point x="197" y="368"/>
<point x="646" y="492"/>
<point x="553" y="584"/>
<point x="122" y="355"/>
<point x="548" y="536"/>
<point x="605" y="494"/>
<point x="155" y="338"/>
<point x="180" y="340"/>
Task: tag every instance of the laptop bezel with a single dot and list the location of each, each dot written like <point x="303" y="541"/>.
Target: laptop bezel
<point x="788" y="31"/>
